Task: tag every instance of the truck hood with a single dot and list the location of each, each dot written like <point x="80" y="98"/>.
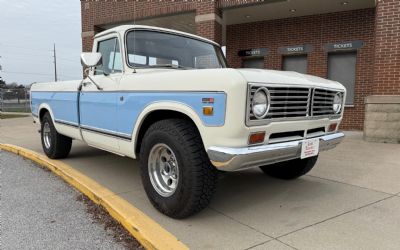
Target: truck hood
<point x="287" y="77"/>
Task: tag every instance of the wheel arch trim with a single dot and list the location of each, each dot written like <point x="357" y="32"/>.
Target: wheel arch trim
<point x="46" y="107"/>
<point x="167" y="106"/>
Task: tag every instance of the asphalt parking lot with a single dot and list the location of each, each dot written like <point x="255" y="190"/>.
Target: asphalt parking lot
<point x="350" y="200"/>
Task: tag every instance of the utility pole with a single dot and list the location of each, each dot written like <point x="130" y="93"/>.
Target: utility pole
<point x="0" y="68"/>
<point x="1" y="93"/>
<point x="1" y="78"/>
<point x="55" y="62"/>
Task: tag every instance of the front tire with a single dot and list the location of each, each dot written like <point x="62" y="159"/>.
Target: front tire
<point x="290" y="169"/>
<point x="176" y="173"/>
<point x="55" y="145"/>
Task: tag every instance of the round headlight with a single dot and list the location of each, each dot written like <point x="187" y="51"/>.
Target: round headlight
<point x="260" y="103"/>
<point x="337" y="103"/>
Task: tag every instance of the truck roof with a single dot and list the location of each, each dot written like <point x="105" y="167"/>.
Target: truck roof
<point x="123" y="28"/>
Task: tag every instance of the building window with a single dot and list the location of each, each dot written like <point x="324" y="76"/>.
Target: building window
<point x="342" y="68"/>
<point x="255" y="63"/>
<point x="296" y="63"/>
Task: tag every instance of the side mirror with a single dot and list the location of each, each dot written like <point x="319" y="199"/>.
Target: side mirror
<point x="89" y="59"/>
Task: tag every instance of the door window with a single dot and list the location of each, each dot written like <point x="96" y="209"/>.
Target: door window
<point x="111" y="56"/>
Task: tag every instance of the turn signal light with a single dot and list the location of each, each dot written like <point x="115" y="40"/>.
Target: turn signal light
<point x="256" y="138"/>
<point x="208" y="110"/>
<point x="332" y="127"/>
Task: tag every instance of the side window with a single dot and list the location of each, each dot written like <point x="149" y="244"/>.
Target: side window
<point x="112" y="61"/>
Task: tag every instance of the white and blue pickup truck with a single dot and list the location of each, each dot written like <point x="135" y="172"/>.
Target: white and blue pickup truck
<point x="169" y="99"/>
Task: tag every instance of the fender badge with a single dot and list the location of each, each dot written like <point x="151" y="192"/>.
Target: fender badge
<point x="208" y="100"/>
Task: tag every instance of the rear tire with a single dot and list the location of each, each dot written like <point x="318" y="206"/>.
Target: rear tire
<point x="55" y="145"/>
<point x="176" y="173"/>
<point x="290" y="169"/>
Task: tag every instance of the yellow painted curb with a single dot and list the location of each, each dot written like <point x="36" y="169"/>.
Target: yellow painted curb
<point x="148" y="232"/>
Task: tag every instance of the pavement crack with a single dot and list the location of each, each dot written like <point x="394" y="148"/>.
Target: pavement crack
<point x="348" y="184"/>
<point x="252" y="228"/>
<point x="241" y="223"/>
<point x="336" y="216"/>
<point x="258" y="244"/>
<point x="286" y="244"/>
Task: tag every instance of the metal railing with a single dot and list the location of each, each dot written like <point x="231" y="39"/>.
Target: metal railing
<point x="15" y="100"/>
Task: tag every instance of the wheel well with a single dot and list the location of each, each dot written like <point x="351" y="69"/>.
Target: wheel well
<point x="42" y="112"/>
<point x="155" y="116"/>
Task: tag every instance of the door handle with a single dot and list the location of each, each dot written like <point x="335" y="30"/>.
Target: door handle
<point x="121" y="98"/>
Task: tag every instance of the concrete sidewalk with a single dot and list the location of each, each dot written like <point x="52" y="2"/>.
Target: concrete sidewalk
<point x="349" y="201"/>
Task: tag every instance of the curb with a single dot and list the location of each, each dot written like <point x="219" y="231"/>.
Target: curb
<point x="148" y="232"/>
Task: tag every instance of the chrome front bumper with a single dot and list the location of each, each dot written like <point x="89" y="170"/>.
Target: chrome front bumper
<point x="232" y="159"/>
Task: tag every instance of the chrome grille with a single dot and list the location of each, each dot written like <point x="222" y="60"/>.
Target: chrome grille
<point x="285" y="102"/>
<point x="292" y="102"/>
<point x="322" y="102"/>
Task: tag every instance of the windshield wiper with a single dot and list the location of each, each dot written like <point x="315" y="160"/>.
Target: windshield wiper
<point x="172" y="66"/>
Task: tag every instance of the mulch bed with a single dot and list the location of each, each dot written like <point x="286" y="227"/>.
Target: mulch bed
<point x="100" y="215"/>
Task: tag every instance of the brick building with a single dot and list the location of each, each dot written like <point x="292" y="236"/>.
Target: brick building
<point x="354" y="41"/>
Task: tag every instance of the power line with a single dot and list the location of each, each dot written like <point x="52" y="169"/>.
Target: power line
<point x="31" y="73"/>
<point x="40" y="55"/>
<point x="25" y="73"/>
<point x="23" y="53"/>
<point x="29" y="48"/>
<point x="36" y="61"/>
<point x="33" y="60"/>
<point x="21" y="47"/>
<point x="25" y="60"/>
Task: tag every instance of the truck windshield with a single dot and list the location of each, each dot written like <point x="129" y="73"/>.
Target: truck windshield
<point x="157" y="49"/>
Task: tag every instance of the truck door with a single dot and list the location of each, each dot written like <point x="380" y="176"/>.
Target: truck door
<point x="98" y="108"/>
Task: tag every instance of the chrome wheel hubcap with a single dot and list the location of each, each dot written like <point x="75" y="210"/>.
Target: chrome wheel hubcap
<point x="163" y="170"/>
<point x="46" y="135"/>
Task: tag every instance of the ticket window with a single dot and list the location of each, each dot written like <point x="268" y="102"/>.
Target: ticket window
<point x="342" y="68"/>
<point x="295" y="63"/>
<point x="255" y="63"/>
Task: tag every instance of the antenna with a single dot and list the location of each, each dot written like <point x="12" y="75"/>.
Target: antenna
<point x="134" y="35"/>
<point x="55" y="62"/>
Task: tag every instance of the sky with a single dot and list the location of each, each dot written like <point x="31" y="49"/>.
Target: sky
<point x="28" y="30"/>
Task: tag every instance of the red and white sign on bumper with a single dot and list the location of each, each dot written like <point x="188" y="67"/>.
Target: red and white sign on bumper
<point x="309" y="148"/>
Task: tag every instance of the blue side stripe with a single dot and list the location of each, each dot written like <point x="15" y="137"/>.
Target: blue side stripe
<point x="63" y="104"/>
<point x="134" y="103"/>
<point x="106" y="111"/>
